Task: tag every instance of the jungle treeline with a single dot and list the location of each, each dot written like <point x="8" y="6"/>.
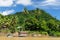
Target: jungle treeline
<point x="36" y="20"/>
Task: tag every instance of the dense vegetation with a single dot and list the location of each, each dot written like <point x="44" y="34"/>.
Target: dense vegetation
<point x="30" y="20"/>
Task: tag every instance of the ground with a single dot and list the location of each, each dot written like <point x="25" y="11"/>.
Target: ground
<point x="29" y="38"/>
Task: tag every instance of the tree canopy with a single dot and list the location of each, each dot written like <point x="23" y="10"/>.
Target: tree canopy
<point x="30" y="20"/>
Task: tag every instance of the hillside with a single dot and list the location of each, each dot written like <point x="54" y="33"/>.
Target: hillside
<point x="30" y="20"/>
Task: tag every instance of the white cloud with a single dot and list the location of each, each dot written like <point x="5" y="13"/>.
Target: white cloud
<point x="46" y="3"/>
<point x="54" y="4"/>
<point x="24" y="2"/>
<point x="51" y="2"/>
<point x="6" y="3"/>
<point x="7" y="12"/>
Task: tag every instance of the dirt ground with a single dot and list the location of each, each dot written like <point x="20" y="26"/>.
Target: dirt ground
<point x="29" y="38"/>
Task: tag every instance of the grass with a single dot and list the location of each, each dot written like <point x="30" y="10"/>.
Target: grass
<point x="29" y="38"/>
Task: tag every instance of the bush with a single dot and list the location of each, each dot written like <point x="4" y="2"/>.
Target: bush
<point x="55" y="34"/>
<point x="44" y="33"/>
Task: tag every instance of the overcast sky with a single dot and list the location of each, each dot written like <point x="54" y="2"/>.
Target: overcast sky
<point x="11" y="6"/>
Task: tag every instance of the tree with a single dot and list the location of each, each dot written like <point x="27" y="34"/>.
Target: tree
<point x="43" y="25"/>
<point x="26" y="11"/>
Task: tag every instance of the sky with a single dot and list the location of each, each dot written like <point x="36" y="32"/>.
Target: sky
<point x="12" y="6"/>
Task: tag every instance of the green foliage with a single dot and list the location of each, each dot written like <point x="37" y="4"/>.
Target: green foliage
<point x="54" y="33"/>
<point x="31" y="20"/>
<point x="43" y="33"/>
